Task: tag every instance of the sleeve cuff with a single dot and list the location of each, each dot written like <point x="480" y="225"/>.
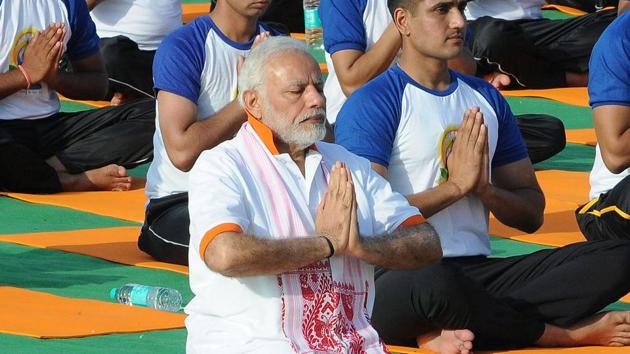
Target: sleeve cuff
<point x="214" y="232"/>
<point x="412" y="220"/>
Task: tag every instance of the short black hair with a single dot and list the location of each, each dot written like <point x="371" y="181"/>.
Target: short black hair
<point x="409" y="5"/>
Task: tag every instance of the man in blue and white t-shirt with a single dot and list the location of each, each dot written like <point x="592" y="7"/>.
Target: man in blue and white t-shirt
<point x="41" y="149"/>
<point x="361" y="42"/>
<point x="450" y="144"/>
<point x="607" y="215"/>
<point x="195" y="74"/>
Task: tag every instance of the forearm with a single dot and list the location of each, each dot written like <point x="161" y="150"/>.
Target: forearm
<point x="244" y="255"/>
<point x="206" y="134"/>
<point x="82" y="85"/>
<point x="11" y="82"/>
<point x="373" y="62"/>
<point x="435" y="199"/>
<point x="406" y="248"/>
<point x="520" y="208"/>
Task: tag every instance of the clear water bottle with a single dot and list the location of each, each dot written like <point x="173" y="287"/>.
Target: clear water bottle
<point x="149" y="296"/>
<point x="313" y="30"/>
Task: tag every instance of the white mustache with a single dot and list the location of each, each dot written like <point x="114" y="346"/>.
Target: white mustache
<point x="315" y="113"/>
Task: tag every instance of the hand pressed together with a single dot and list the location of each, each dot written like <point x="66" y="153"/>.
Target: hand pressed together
<point x="43" y="53"/>
<point x="468" y="161"/>
<point x="336" y="215"/>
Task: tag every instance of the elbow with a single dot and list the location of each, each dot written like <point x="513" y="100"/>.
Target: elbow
<point x="348" y="88"/>
<point x="182" y="160"/>
<point x="533" y="223"/>
<point x="220" y="259"/>
<point x="615" y="163"/>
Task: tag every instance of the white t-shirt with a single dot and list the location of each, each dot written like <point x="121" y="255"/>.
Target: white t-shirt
<point x="348" y="24"/>
<point x="197" y="62"/>
<point x="397" y="123"/>
<point x="243" y="315"/>
<point x="146" y="22"/>
<point x="505" y="9"/>
<point x="19" y="21"/>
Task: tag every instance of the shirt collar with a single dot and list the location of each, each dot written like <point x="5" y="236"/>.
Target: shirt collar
<point x="266" y="135"/>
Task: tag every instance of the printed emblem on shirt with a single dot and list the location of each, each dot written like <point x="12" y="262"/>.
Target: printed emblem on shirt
<point x="444" y="149"/>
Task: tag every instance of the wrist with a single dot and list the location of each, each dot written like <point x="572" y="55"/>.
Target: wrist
<point x="455" y="190"/>
<point x="25" y="76"/>
<point x="486" y="193"/>
<point x="330" y="245"/>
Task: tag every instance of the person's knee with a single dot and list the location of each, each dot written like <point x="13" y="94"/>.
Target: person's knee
<point x="493" y="35"/>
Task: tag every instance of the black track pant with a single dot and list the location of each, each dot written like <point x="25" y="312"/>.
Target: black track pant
<point x="128" y="64"/>
<point x="164" y="235"/>
<point x="544" y="135"/>
<point x="537" y="53"/>
<point x="81" y="141"/>
<point x="505" y="302"/>
<point x="607" y="217"/>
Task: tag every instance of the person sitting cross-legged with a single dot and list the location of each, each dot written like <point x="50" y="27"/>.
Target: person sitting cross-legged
<point x="450" y="144"/>
<point x="285" y="228"/>
<point x="607" y="215"/>
<point x="43" y="150"/>
<point x="195" y="72"/>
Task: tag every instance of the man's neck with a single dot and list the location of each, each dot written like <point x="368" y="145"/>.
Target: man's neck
<point x="431" y="73"/>
<point x="297" y="153"/>
<point x="236" y="27"/>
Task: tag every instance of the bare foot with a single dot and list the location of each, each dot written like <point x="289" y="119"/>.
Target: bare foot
<point x="498" y="79"/>
<point x="107" y="178"/>
<point x="606" y="329"/>
<point x="118" y="99"/>
<point x="458" y="341"/>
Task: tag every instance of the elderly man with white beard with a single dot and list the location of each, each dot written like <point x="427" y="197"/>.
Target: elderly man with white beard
<point x="285" y="228"/>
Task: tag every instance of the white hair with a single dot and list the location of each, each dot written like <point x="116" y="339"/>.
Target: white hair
<point x="252" y="71"/>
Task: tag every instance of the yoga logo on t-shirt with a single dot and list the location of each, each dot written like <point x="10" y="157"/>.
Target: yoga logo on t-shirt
<point x="444" y="149"/>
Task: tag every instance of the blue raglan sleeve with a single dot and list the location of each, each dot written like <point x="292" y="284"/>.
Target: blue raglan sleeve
<point x="83" y="40"/>
<point x="368" y="121"/>
<point x="342" y="22"/>
<point x="609" y="68"/>
<point x="179" y="61"/>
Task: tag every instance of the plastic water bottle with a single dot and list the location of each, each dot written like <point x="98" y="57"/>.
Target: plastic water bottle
<point x="313" y="30"/>
<point x="154" y="297"/>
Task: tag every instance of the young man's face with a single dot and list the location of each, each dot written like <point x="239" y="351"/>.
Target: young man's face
<point x="436" y="28"/>
<point x="249" y="8"/>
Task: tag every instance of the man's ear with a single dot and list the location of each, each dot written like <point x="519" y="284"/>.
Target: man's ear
<point x="252" y="103"/>
<point x="401" y="21"/>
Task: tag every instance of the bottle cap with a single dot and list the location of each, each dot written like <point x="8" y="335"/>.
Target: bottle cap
<point x="112" y="294"/>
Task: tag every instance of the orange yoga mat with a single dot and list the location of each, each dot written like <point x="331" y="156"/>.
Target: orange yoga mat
<point x="127" y="205"/>
<point x="570" y="10"/>
<point x="43" y="315"/>
<point x="95" y="104"/>
<point x="577" y="96"/>
<point x="582" y="136"/>
<point x="117" y="244"/>
<point x="564" y="192"/>
<point x="192" y="11"/>
<point x="580" y="350"/>
<point x="565" y="9"/>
